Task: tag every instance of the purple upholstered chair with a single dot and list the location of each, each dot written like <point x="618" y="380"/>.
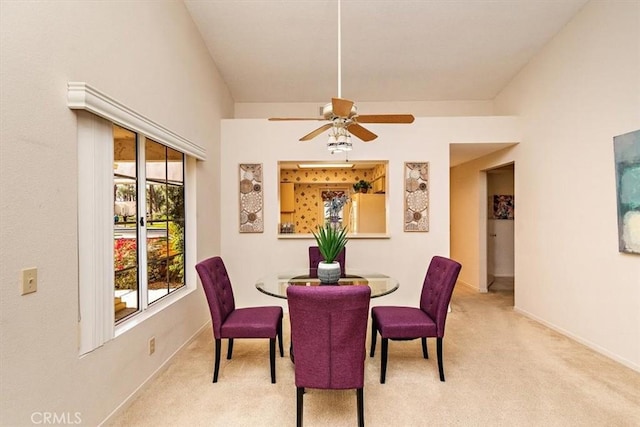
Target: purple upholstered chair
<point x="231" y="322"/>
<point x="407" y="323"/>
<point x="315" y="257"/>
<point x="328" y="333"/>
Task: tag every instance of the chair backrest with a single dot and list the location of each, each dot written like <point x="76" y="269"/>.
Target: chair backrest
<point x="217" y="287"/>
<point x="315" y="257"/>
<point x="437" y="288"/>
<point x="328" y="333"/>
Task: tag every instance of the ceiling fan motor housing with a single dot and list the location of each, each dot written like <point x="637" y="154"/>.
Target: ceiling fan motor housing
<point x="327" y="112"/>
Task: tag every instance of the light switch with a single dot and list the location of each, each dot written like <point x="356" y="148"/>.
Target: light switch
<point x="29" y="280"/>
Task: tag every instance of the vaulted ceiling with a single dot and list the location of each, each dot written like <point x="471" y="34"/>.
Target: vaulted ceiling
<point x="392" y="50"/>
<point x="286" y="51"/>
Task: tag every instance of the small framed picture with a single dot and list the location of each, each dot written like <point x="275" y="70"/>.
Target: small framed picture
<point x="503" y="206"/>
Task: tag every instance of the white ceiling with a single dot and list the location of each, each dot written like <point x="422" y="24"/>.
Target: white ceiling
<point x="286" y="51"/>
<point x="392" y="50"/>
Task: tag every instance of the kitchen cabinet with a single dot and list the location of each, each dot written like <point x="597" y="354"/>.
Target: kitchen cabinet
<point x="287" y="198"/>
<point x="379" y="185"/>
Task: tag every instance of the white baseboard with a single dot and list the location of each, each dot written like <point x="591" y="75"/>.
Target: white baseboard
<point x="125" y="404"/>
<point x="467" y="285"/>
<point x="629" y="364"/>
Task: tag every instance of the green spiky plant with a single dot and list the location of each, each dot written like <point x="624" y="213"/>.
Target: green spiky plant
<point x="331" y="240"/>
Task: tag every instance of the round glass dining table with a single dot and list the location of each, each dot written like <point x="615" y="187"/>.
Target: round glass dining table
<point x="276" y="285"/>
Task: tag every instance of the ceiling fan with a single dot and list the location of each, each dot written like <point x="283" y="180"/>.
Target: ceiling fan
<point x="343" y="116"/>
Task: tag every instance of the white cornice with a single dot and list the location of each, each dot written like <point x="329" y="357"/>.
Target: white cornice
<point x="81" y="96"/>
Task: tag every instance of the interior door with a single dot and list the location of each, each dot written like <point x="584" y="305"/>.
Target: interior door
<point x="502" y="242"/>
<point x="491" y="250"/>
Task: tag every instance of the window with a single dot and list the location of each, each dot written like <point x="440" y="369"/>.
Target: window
<point x="136" y="216"/>
<point x="160" y="220"/>
<point x="125" y="228"/>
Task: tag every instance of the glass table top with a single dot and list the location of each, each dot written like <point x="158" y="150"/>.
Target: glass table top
<point x="276" y="285"/>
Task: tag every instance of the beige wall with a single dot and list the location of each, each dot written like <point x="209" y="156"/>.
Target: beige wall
<point x="403" y="255"/>
<point x="149" y="56"/>
<point x="579" y="92"/>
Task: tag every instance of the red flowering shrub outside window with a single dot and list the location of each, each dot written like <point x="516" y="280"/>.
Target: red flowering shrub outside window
<point x="125" y="253"/>
<point x="125" y="262"/>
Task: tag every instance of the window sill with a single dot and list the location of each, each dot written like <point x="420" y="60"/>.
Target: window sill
<point x="139" y="318"/>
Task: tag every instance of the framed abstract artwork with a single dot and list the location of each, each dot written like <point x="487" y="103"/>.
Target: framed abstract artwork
<point x="416" y="196"/>
<point x="626" y="149"/>
<point x="502" y="206"/>
<point x="251" y="213"/>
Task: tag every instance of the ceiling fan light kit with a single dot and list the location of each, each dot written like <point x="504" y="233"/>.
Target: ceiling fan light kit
<point x="344" y="118"/>
<point x="339" y="139"/>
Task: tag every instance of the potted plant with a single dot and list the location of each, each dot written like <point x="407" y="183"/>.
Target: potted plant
<point x="362" y="186"/>
<point x="331" y="240"/>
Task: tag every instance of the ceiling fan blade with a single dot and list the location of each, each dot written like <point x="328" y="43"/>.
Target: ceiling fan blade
<point x="341" y="107"/>
<point x="362" y="133"/>
<point x="280" y="119"/>
<point x="385" y="118"/>
<point x="316" y="132"/>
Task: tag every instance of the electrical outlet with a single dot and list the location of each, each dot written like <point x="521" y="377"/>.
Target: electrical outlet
<point x="29" y="280"/>
<point x="152" y="345"/>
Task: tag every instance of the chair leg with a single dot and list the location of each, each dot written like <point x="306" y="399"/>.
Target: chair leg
<point x="272" y="359"/>
<point x="360" y="398"/>
<point x="280" y="338"/>
<point x="299" y="397"/>
<point x="425" y="352"/>
<point x="230" y="349"/>
<point x="216" y="363"/>
<point x="440" y="366"/>
<point x="374" y="337"/>
<point x="383" y="360"/>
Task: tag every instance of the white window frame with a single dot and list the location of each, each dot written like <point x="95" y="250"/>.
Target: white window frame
<point x="95" y="211"/>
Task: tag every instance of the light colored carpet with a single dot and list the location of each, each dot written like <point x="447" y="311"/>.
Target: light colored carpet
<point x="501" y="368"/>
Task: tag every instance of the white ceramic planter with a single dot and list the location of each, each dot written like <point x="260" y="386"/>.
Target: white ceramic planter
<point x="329" y="272"/>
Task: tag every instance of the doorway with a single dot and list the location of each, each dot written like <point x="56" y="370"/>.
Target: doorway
<point x="500" y="228"/>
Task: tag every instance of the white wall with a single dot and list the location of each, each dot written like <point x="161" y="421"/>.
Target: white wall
<point x="579" y="92"/>
<point x="404" y="255"/>
<point x="149" y="56"/>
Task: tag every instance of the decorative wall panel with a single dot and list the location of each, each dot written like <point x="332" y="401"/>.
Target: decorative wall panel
<point x="251" y="212"/>
<point x="416" y="196"/>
